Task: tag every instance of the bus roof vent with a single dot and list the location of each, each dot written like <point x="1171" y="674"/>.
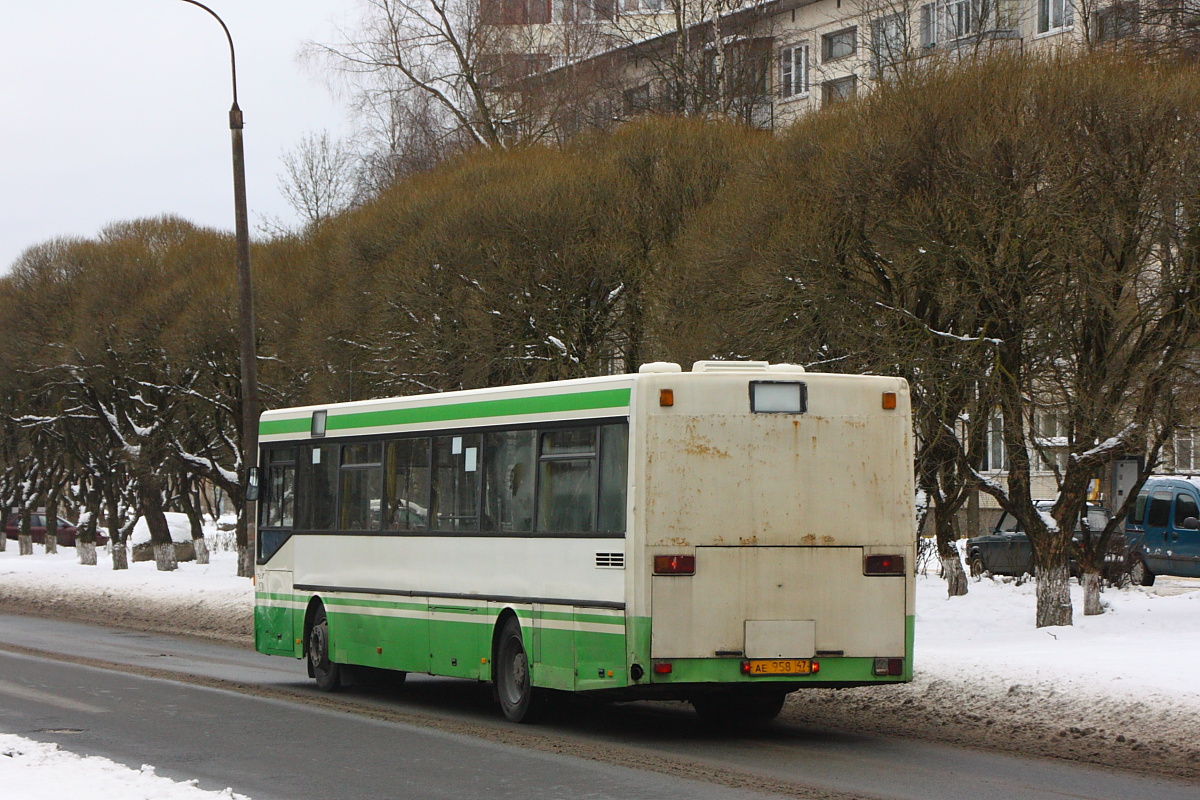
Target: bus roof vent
<point x="660" y="366"/>
<point x="730" y="366"/>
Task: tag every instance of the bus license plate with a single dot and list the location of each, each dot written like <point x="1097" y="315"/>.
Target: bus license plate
<point x="781" y="666"/>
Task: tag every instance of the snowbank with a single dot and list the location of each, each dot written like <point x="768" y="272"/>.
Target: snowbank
<point x="34" y="770"/>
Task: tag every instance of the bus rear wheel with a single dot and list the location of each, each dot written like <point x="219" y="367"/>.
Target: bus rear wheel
<point x="738" y="709"/>
<point x="327" y="673"/>
<point x="519" y="700"/>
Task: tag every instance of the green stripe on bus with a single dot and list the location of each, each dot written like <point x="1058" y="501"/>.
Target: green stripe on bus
<point x="545" y="404"/>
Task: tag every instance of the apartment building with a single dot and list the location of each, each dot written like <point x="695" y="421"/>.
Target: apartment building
<point x="768" y="62"/>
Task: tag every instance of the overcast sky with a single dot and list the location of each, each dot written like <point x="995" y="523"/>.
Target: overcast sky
<point x="119" y="109"/>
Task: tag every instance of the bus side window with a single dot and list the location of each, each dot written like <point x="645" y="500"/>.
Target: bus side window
<point x="567" y="481"/>
<point x="279" y="508"/>
<point x="508" y="464"/>
<point x="456" y="473"/>
<point x="316" y="474"/>
<point x="614" y="468"/>
<point x="361" y="487"/>
<point x="406" y="485"/>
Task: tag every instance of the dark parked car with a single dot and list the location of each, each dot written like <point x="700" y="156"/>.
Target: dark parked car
<point x="1006" y="550"/>
<point x="37" y="530"/>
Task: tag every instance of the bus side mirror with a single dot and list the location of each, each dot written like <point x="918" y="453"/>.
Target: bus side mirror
<point x="252" y="485"/>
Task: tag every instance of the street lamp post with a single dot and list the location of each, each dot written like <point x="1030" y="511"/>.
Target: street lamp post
<point x="249" y="362"/>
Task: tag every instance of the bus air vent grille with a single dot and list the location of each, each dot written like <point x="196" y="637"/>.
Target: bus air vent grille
<point x="610" y="560"/>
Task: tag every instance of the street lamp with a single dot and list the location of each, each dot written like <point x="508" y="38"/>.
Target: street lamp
<point x="245" y="303"/>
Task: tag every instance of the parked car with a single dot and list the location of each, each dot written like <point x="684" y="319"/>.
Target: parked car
<point x="37" y="530"/>
<point x="1007" y="551"/>
<point x="1164" y="530"/>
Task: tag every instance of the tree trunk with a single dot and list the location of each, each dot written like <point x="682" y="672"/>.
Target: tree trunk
<point x="947" y="544"/>
<point x="1091" y="594"/>
<point x="956" y="576"/>
<point x="118" y="536"/>
<point x="24" y="537"/>
<point x="50" y="542"/>
<point x="85" y="539"/>
<point x="245" y="553"/>
<point x="160" y="532"/>
<point x="164" y="556"/>
<point x="196" y="521"/>
<point x="120" y="554"/>
<point x="1053" y="596"/>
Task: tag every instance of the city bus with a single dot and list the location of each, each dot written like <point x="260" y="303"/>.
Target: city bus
<point x="724" y="535"/>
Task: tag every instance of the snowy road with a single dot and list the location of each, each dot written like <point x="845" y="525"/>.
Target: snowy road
<point x="230" y="717"/>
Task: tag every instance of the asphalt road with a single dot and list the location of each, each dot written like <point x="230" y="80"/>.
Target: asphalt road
<point x="231" y="717"/>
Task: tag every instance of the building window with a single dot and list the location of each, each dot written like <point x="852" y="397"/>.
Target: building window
<point x="839" y="90"/>
<point x="889" y="43"/>
<point x="1051" y="441"/>
<point x="1186" y="457"/>
<point x="1118" y="21"/>
<point x="840" y="44"/>
<point x="515" y="12"/>
<point x="960" y="19"/>
<point x="586" y="10"/>
<point x="793" y="71"/>
<point x="1055" y="15"/>
<point x="929" y="37"/>
<point x="636" y="100"/>
<point x="994" y="457"/>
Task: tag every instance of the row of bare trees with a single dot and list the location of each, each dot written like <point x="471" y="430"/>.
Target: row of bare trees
<point x="1016" y="236"/>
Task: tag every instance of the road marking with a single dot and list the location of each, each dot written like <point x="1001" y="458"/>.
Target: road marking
<point x="38" y="696"/>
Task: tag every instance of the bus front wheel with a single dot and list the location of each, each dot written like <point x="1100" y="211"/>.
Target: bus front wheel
<point x="514" y="685"/>
<point x="327" y="673"/>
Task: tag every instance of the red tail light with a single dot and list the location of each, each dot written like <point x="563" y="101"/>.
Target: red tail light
<point x="883" y="565"/>
<point x="662" y="668"/>
<point x="674" y="565"/>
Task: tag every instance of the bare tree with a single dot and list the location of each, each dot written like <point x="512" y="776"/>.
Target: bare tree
<point x="318" y="180"/>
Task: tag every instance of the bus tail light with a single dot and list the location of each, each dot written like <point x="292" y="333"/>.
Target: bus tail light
<point x="662" y="668"/>
<point x="889" y="666"/>
<point x="883" y="565"/>
<point x="674" y="565"/>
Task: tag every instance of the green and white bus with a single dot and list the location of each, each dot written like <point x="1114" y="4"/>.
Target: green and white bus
<point x="724" y="536"/>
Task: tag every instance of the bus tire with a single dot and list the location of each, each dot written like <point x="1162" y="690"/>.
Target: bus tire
<point x="738" y="709"/>
<point x="327" y="673"/>
<point x="514" y="686"/>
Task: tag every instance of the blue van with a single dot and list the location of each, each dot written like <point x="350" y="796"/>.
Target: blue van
<point x="1164" y="530"/>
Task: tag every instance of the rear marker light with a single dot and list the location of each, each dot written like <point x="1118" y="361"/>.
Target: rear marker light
<point x="666" y="397"/>
<point x="662" y="668"/>
<point x="889" y="666"/>
<point x="889" y="401"/>
<point x="675" y="565"/>
<point x="883" y="565"/>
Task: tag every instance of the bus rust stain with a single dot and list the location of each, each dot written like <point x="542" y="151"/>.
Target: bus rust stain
<point x="809" y="539"/>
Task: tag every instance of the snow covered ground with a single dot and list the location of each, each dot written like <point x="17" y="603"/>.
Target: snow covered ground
<point x="35" y="771"/>
<point x="1115" y="680"/>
